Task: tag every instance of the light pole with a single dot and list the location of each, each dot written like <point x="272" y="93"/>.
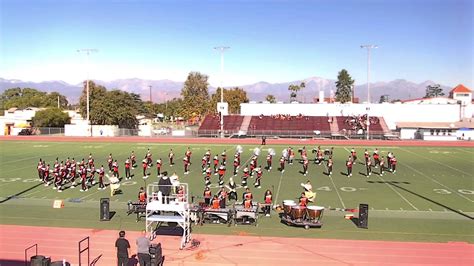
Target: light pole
<point x="368" y="47"/>
<point x="222" y="49"/>
<point x="87" y="51"/>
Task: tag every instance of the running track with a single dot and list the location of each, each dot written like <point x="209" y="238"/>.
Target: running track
<point x="234" y="249"/>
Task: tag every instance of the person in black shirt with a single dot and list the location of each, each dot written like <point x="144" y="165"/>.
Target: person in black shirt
<point x="123" y="247"/>
<point x="164" y="185"/>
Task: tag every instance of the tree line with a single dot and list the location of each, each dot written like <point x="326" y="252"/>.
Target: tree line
<point x="116" y="107"/>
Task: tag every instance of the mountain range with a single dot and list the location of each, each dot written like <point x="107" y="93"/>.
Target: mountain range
<point x="163" y="90"/>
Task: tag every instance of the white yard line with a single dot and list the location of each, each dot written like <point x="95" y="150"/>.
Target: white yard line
<point x="337" y="191"/>
<point x="437" y="182"/>
<point x="438" y="162"/>
<point x="401" y="196"/>
<point x="278" y="190"/>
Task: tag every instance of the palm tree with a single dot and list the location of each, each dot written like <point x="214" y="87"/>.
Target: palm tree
<point x="294" y="89"/>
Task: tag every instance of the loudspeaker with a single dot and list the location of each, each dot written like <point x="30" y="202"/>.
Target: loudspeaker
<point x="363" y="216"/>
<point x="40" y="260"/>
<point x="104" y="209"/>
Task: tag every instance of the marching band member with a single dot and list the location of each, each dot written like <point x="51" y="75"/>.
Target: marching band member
<point x="376" y="157"/>
<point x="171" y="157"/>
<point x="207" y="178"/>
<point x="232" y="186"/>
<point x="144" y="166"/>
<point x="389" y="160"/>
<point x="366" y="156"/>
<point x="253" y="165"/>
<point x="216" y="163"/>
<point x="188" y="154"/>
<point x="291" y="155"/>
<point x="236" y="166"/>
<point x="224" y="157"/>
<point x="204" y="164"/>
<point x="142" y="195"/>
<point x="222" y="197"/>
<point x="353" y="155"/>
<point x="267" y="199"/>
<point x="382" y="166"/>
<point x="186" y="163"/>
<point x="116" y="169"/>
<point x="40" y="168"/>
<point x="349" y="164"/>
<point x="127" y="168"/>
<point x="91" y="176"/>
<point x="305" y="166"/>
<point x="245" y="177"/>
<point x="282" y="164"/>
<point x="269" y="162"/>
<point x="90" y="160"/>
<point x="149" y="159"/>
<point x="215" y="202"/>
<point x="101" y="177"/>
<point x="259" y="177"/>
<point x="110" y="160"/>
<point x="158" y="167"/>
<point x="247" y="195"/>
<point x="133" y="160"/>
<point x="207" y="196"/>
<point x="303" y="200"/>
<point x="368" y="165"/>
<point x="83" y="172"/>
<point x="221" y="172"/>
<point x="393" y="164"/>
<point x="329" y="164"/>
<point x="46" y="176"/>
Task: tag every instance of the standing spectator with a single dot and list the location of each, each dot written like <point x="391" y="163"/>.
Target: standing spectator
<point x="143" y="247"/>
<point x="264" y="140"/>
<point x="123" y="247"/>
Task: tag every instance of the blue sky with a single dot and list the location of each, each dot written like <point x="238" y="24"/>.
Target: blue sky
<point x="273" y="41"/>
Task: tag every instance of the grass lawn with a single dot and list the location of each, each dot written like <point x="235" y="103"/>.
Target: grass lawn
<point x="430" y="198"/>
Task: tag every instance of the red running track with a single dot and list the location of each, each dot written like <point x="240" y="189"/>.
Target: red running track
<point x="256" y="141"/>
<point x="236" y="249"/>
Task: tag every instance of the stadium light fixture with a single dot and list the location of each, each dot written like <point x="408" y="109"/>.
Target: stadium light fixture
<point x="368" y="47"/>
<point x="222" y="49"/>
<point x="87" y="52"/>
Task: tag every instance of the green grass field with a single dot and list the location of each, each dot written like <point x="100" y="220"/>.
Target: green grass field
<point x="430" y="198"/>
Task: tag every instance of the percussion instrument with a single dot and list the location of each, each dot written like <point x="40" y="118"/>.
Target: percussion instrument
<point x="314" y="212"/>
<point x="297" y="212"/>
<point x="287" y="204"/>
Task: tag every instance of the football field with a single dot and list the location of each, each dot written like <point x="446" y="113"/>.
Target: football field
<point x="429" y="198"/>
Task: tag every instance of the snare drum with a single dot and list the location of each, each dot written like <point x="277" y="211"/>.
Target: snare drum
<point x="287" y="206"/>
<point x="315" y="212"/>
<point x="297" y="212"/>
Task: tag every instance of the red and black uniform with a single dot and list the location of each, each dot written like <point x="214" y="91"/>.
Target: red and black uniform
<point x="368" y="166"/>
<point x="349" y="164"/>
<point x="207" y="178"/>
<point x="382" y="166"/>
<point x="188" y="154"/>
<point x="83" y="178"/>
<point x="207" y="196"/>
<point x="330" y="163"/>
<point x="236" y="166"/>
<point x="245" y="177"/>
<point x="376" y="157"/>
<point x="247" y="204"/>
<point x="40" y="168"/>
<point x="92" y="175"/>
<point x="305" y="166"/>
<point x="221" y="173"/>
<point x="127" y="169"/>
<point x="366" y="156"/>
<point x="267" y="199"/>
<point x="91" y="162"/>
<point x="269" y="162"/>
<point x="216" y="163"/>
<point x="171" y="157"/>
<point x="46" y="174"/>
<point x="247" y="195"/>
<point x="282" y="164"/>
<point x="110" y="160"/>
<point x="215" y="203"/>
<point x="204" y="164"/>
<point x="142" y="196"/>
<point x="222" y="198"/>
<point x="144" y="166"/>
<point x="133" y="158"/>
<point x="224" y="158"/>
<point x="393" y="164"/>
<point x="186" y="165"/>
<point x="291" y="155"/>
<point x="116" y="169"/>
<point x="253" y="165"/>
<point x="158" y="166"/>
<point x="259" y="177"/>
<point x="303" y="201"/>
<point x="149" y="159"/>
<point x="101" y="178"/>
<point x="354" y="155"/>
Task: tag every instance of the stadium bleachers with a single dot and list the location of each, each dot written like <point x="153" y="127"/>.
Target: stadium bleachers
<point x="211" y="124"/>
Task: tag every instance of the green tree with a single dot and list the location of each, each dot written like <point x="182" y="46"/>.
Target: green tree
<point x="344" y="85"/>
<point x="51" y="117"/>
<point x="270" y="98"/>
<point x="434" y="91"/>
<point x="111" y="107"/>
<point x="294" y="90"/>
<point x="383" y="98"/>
<point x="28" y="97"/>
<point x="234" y="97"/>
<point x="195" y="95"/>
